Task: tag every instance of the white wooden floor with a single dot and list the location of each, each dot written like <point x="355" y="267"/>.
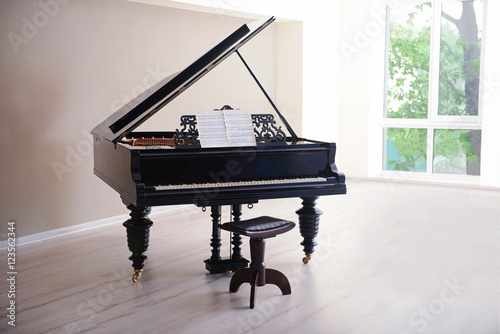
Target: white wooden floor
<point x="392" y="258"/>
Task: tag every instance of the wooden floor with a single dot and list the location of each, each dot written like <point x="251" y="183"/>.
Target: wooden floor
<point x="392" y="258"/>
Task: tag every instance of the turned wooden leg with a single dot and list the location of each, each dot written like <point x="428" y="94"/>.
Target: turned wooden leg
<point x="215" y="264"/>
<point x="257" y="252"/>
<point x="215" y="234"/>
<point x="236" y="242"/>
<point x="138" y="237"/>
<point x="308" y="225"/>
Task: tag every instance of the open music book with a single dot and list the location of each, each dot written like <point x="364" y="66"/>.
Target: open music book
<point x="225" y="128"/>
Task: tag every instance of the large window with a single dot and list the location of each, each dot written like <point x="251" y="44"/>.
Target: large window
<point x="432" y="118"/>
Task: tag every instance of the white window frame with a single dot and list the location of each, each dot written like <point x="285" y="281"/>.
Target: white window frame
<point x="434" y="121"/>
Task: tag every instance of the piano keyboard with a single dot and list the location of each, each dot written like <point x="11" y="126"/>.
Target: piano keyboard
<point x="240" y="183"/>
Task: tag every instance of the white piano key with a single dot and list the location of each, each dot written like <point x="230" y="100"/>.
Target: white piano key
<point x="239" y="183"/>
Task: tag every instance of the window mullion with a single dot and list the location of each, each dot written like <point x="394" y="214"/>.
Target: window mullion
<point x="430" y="149"/>
<point x="433" y="103"/>
<point x="386" y="59"/>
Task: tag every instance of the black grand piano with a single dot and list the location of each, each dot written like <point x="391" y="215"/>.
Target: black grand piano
<point x="168" y="168"/>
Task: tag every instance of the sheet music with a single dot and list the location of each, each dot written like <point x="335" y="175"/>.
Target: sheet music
<point x="225" y="128"/>
<point x="211" y="129"/>
<point x="239" y="128"/>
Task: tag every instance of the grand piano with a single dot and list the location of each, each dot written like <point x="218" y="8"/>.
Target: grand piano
<point x="171" y="167"/>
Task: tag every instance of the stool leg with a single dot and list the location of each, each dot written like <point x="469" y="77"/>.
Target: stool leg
<point x="257" y="252"/>
<point x="278" y="278"/>
<point x="239" y="277"/>
<point x="253" y="283"/>
<point x="257" y="274"/>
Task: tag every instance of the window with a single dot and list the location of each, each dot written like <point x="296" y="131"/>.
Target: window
<point x="432" y="118"/>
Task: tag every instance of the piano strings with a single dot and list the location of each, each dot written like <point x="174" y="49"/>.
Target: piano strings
<point x="150" y="142"/>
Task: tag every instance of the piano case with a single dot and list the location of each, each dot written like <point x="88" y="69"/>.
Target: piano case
<point x="169" y="168"/>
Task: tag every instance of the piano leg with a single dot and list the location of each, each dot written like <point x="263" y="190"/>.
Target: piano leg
<point x="215" y="265"/>
<point x="309" y="225"/>
<point x="236" y="242"/>
<point x="138" y="237"/>
<point x="215" y="234"/>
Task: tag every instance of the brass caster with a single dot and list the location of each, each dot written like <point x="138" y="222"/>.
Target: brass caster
<point x="137" y="275"/>
<point x="306" y="259"/>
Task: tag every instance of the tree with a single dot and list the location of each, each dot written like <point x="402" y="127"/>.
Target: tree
<point x="459" y="63"/>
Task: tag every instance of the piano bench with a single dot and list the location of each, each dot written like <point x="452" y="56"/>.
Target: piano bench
<point x="258" y="229"/>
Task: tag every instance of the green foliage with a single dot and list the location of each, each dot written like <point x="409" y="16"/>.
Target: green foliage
<point x="450" y="148"/>
<point x="411" y="145"/>
<point x="452" y="143"/>
<point x="408" y="72"/>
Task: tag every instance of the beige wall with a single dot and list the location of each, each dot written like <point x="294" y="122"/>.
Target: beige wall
<point x="289" y="72"/>
<point x="70" y="71"/>
<point x="354" y="87"/>
<point x="67" y="65"/>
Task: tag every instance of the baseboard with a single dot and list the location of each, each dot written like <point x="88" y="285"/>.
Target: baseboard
<point x="47" y="235"/>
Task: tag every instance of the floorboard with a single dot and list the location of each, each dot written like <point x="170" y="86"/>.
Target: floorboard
<point x="391" y="258"/>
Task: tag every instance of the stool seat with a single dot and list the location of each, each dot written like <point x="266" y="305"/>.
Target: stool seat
<point x="258" y="229"/>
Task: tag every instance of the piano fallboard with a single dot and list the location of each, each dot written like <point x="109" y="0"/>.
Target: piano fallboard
<point x="148" y="176"/>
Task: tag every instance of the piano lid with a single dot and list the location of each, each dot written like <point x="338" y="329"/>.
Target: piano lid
<point x="137" y="111"/>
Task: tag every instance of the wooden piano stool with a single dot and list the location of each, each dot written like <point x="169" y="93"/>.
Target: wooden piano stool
<point x="258" y="229"/>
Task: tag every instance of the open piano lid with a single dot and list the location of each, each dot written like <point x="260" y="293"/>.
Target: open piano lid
<point x="137" y="111"/>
